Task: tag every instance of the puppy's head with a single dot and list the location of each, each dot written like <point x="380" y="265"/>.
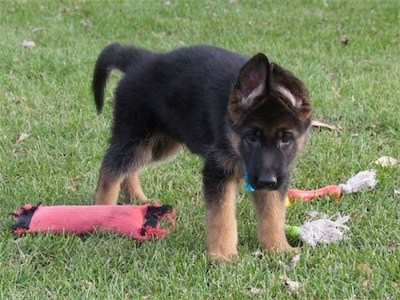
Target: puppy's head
<point x="270" y="113"/>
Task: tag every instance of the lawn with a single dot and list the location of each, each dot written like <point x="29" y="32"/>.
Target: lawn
<point x="52" y="142"/>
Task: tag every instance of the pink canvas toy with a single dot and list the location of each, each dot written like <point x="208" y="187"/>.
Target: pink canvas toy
<point x="140" y="222"/>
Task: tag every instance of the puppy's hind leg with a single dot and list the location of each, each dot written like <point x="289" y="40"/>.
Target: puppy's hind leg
<point x="131" y="188"/>
<point x="116" y="171"/>
<point x="107" y="188"/>
<point x="157" y="148"/>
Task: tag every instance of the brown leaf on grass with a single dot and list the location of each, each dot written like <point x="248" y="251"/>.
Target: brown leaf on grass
<point x="85" y="284"/>
<point x="365" y="269"/>
<point x="48" y="293"/>
<point x="22" y="137"/>
<point x="344" y="41"/>
<point x="386" y="161"/>
<point x="257" y="254"/>
<point x="319" y="124"/>
<point x="86" y="22"/>
<point x="294" y="261"/>
<point x="293" y="286"/>
<point x="88" y="285"/>
<point x="366" y="283"/>
<point x="254" y="291"/>
<point x="28" y="44"/>
<point x="71" y="186"/>
<point x="335" y="92"/>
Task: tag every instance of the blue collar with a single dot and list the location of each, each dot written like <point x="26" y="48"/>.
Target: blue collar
<point x="247" y="186"/>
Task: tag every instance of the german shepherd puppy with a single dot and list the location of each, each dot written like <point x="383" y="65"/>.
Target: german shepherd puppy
<point x="240" y="114"/>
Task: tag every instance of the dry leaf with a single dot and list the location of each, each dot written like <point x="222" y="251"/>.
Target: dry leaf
<point x="48" y="293"/>
<point x="254" y="290"/>
<point x="366" y="283"/>
<point x="386" y="161"/>
<point x="397" y="192"/>
<point x="344" y="41"/>
<point x="86" y="22"/>
<point x="320" y="124"/>
<point x="365" y="269"/>
<point x="21" y="138"/>
<point x="71" y="186"/>
<point x="294" y="261"/>
<point x="293" y="286"/>
<point x="86" y="284"/>
<point x="335" y="92"/>
<point x="257" y="254"/>
<point x="28" y="44"/>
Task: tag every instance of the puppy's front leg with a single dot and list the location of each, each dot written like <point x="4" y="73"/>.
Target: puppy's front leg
<point x="270" y="206"/>
<point x="221" y="225"/>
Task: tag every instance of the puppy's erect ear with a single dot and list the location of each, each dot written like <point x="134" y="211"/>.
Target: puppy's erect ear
<point x="291" y="90"/>
<point x="251" y="84"/>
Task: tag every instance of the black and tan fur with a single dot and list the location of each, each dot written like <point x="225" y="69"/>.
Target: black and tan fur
<point x="236" y="112"/>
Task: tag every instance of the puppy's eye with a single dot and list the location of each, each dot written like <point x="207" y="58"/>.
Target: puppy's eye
<point x="286" y="137"/>
<point x="252" y="136"/>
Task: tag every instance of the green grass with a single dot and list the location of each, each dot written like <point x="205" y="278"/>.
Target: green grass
<point x="45" y="93"/>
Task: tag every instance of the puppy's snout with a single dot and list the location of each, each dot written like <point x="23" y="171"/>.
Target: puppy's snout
<point x="267" y="182"/>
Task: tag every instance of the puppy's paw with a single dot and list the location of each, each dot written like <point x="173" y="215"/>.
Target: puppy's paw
<point x="129" y="199"/>
<point x="219" y="258"/>
<point x="281" y="246"/>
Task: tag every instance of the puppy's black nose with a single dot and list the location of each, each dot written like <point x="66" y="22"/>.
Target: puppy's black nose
<point x="267" y="182"/>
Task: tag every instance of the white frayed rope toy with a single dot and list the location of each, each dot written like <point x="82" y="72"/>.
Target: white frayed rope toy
<point x="319" y="229"/>
<point x="322" y="228"/>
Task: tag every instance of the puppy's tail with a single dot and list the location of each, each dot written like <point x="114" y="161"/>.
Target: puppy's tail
<point x="114" y="56"/>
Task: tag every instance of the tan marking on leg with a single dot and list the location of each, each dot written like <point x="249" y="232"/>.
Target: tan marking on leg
<point x="107" y="189"/>
<point x="271" y="220"/>
<point x="131" y="188"/>
<point x="221" y="225"/>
